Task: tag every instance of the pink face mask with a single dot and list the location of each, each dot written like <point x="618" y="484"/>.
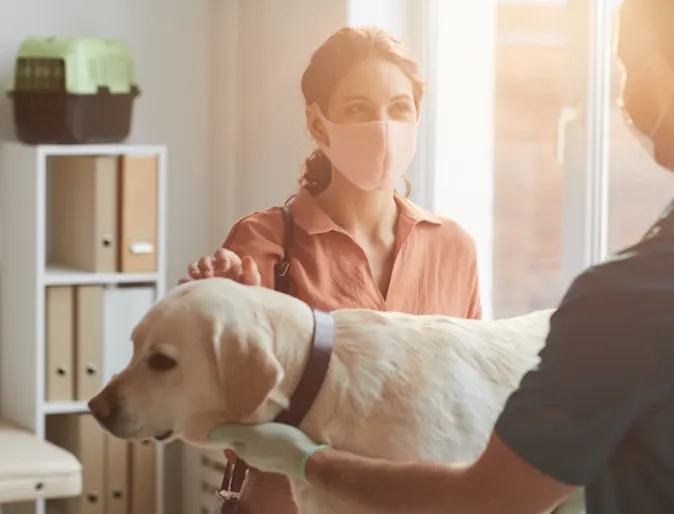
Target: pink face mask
<point x="371" y="155"/>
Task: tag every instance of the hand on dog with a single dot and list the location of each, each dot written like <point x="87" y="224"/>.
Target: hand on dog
<point x="225" y="264"/>
<point x="270" y="447"/>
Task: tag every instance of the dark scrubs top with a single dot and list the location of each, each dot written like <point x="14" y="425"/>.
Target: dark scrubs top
<point x="598" y="411"/>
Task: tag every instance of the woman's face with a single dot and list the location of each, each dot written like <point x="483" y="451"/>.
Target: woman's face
<point x="373" y="90"/>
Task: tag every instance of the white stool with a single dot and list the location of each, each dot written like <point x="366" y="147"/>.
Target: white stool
<point x="31" y="469"/>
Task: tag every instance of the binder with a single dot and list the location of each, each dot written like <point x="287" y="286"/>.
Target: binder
<point x="59" y="344"/>
<point x="83" y="212"/>
<point x="123" y="307"/>
<point x="80" y="435"/>
<point x="116" y="476"/>
<point x="143" y="477"/>
<point x="137" y="213"/>
<point x="88" y="340"/>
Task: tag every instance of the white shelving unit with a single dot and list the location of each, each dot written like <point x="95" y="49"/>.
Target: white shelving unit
<point x="24" y="277"/>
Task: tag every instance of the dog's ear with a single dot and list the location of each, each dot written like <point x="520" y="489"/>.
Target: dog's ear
<point x="249" y="371"/>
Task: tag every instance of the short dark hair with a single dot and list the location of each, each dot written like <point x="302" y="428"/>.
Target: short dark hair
<point x="329" y="64"/>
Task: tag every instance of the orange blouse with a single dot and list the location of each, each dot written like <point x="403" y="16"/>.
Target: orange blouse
<point x="434" y="272"/>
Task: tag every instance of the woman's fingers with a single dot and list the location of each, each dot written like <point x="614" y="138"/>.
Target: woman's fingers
<point x="227" y="264"/>
<point x="250" y="274"/>
<point x="193" y="271"/>
<point x="206" y="267"/>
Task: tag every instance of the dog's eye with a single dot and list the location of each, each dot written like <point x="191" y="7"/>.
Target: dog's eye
<point x="161" y="362"/>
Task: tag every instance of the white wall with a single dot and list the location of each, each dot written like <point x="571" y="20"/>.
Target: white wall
<point x="274" y="42"/>
<point x="390" y="14"/>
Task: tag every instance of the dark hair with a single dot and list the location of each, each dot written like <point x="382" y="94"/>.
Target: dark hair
<point x="329" y="64"/>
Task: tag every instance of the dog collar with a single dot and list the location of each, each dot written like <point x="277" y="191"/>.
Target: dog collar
<point x="322" y="343"/>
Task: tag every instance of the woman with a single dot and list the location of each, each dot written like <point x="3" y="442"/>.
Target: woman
<point x="356" y="242"/>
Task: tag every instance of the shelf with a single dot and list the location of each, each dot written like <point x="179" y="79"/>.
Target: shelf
<point x="28" y="188"/>
<point x="49" y="150"/>
<point x="65" y="408"/>
<point x="55" y="276"/>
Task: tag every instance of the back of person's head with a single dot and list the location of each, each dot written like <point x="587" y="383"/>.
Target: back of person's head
<point x="330" y="63"/>
<point x="646" y="50"/>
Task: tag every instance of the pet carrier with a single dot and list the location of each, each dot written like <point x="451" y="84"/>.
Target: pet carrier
<point x="72" y="90"/>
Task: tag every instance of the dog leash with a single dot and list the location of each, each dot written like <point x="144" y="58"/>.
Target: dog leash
<point x="300" y="402"/>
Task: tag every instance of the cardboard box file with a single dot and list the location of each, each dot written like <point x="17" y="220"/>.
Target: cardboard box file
<point x="117" y="479"/>
<point x="143" y="475"/>
<point x="123" y="307"/>
<point x="137" y="214"/>
<point x="88" y="341"/>
<point x="59" y="381"/>
<point x="80" y="435"/>
<point x="83" y="212"/>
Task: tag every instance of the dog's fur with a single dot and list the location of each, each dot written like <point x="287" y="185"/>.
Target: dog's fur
<point x="399" y="386"/>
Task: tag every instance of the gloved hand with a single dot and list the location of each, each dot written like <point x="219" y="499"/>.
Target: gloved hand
<point x="270" y="447"/>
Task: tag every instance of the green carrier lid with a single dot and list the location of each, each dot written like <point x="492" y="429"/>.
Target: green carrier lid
<point x="76" y="65"/>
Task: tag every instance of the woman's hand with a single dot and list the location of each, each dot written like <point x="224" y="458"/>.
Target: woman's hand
<point x="225" y="264"/>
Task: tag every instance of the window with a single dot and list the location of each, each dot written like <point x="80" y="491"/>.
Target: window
<point x="527" y="148"/>
<point x="499" y="87"/>
<point x="531" y="60"/>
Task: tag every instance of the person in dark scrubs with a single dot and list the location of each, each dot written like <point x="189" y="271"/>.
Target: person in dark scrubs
<point x="598" y="412"/>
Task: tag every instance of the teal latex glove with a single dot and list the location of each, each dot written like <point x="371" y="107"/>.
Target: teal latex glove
<point x="271" y="447"/>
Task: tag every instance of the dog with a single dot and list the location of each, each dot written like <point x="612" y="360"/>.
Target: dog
<point x="399" y="386"/>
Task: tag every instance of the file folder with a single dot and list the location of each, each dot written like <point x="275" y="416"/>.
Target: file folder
<point x="59" y="341"/>
<point x="138" y="180"/>
<point x="83" y="213"/>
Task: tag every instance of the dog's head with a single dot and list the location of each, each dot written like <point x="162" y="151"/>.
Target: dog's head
<point x="204" y="354"/>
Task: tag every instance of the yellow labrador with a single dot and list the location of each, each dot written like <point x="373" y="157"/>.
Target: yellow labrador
<point x="398" y="387"/>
